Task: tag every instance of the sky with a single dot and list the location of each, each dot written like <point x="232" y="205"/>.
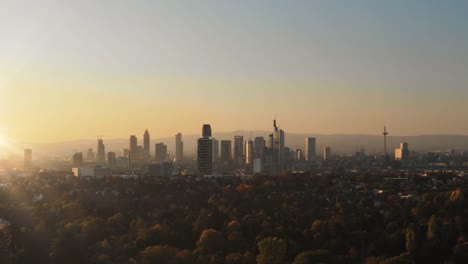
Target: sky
<point x="77" y="69"/>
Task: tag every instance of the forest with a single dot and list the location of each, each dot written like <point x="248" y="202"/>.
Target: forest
<point x="294" y="218"/>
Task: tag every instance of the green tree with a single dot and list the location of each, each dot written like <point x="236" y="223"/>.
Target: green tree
<point x="271" y="251"/>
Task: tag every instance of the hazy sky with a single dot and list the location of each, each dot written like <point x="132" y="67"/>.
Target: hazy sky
<point x="77" y="69"/>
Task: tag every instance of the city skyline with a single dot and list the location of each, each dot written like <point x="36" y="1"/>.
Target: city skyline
<point x="324" y="67"/>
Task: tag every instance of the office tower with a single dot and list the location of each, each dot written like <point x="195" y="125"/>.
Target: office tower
<point x="270" y="141"/>
<point x="278" y="161"/>
<point x="133" y="143"/>
<point x="179" y="148"/>
<point x="215" y="149"/>
<point x="249" y="152"/>
<point x="91" y="155"/>
<point x="226" y="150"/>
<point x="111" y="159"/>
<point x="27" y="159"/>
<point x="78" y="159"/>
<point x="125" y="152"/>
<point x="205" y="152"/>
<point x="100" y="156"/>
<point x="402" y="153"/>
<point x="259" y="148"/>
<point x="160" y="154"/>
<point x="146" y="144"/>
<point x="326" y="153"/>
<point x="299" y="155"/>
<point x="310" y="149"/>
<point x="133" y="153"/>
<point x="206" y="131"/>
<point x="239" y="151"/>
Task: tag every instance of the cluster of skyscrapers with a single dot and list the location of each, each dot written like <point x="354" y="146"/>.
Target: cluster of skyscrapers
<point x="250" y="156"/>
<point x="225" y="157"/>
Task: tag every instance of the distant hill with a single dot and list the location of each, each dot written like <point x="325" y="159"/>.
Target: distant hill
<point x="343" y="144"/>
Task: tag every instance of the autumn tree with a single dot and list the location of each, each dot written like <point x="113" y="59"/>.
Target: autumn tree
<point x="271" y="251"/>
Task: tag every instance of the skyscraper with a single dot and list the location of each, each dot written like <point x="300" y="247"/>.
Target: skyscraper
<point x="239" y="151"/>
<point x="278" y="149"/>
<point x="226" y="150"/>
<point x="249" y="152"/>
<point x="133" y="143"/>
<point x="125" y="152"/>
<point x="402" y="153"/>
<point x="326" y="153"/>
<point x="91" y="155"/>
<point x="101" y="156"/>
<point x="27" y="159"/>
<point x="111" y="159"/>
<point x="205" y="152"/>
<point x="259" y="148"/>
<point x="310" y="153"/>
<point x="146" y="144"/>
<point x="160" y="154"/>
<point x="78" y="159"/>
<point x="133" y="154"/>
<point x="179" y="148"/>
<point x="206" y="131"/>
<point x="215" y="149"/>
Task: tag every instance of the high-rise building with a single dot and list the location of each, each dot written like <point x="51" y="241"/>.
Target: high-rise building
<point x="101" y="156"/>
<point x="179" y="148"/>
<point x="310" y="153"/>
<point x="270" y="141"/>
<point x="160" y="152"/>
<point x="205" y="152"/>
<point x="133" y="155"/>
<point x="215" y="149"/>
<point x="259" y="148"/>
<point x="402" y="153"/>
<point x="125" y="152"/>
<point x="111" y="159"/>
<point x="91" y="155"/>
<point x="326" y="153"/>
<point x="239" y="151"/>
<point x="27" y="159"/>
<point x="146" y="144"/>
<point x="299" y="155"/>
<point x="78" y="159"/>
<point x="206" y="131"/>
<point x="278" y="160"/>
<point x="226" y="150"/>
<point x="133" y="143"/>
<point x="249" y="152"/>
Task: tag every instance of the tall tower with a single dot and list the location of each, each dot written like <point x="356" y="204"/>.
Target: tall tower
<point x="239" y="151"/>
<point x="385" y="133"/>
<point x="160" y="153"/>
<point x="133" y="153"/>
<point x="146" y="144"/>
<point x="205" y="152"/>
<point x="310" y="149"/>
<point x="101" y="155"/>
<point x="179" y="148"/>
